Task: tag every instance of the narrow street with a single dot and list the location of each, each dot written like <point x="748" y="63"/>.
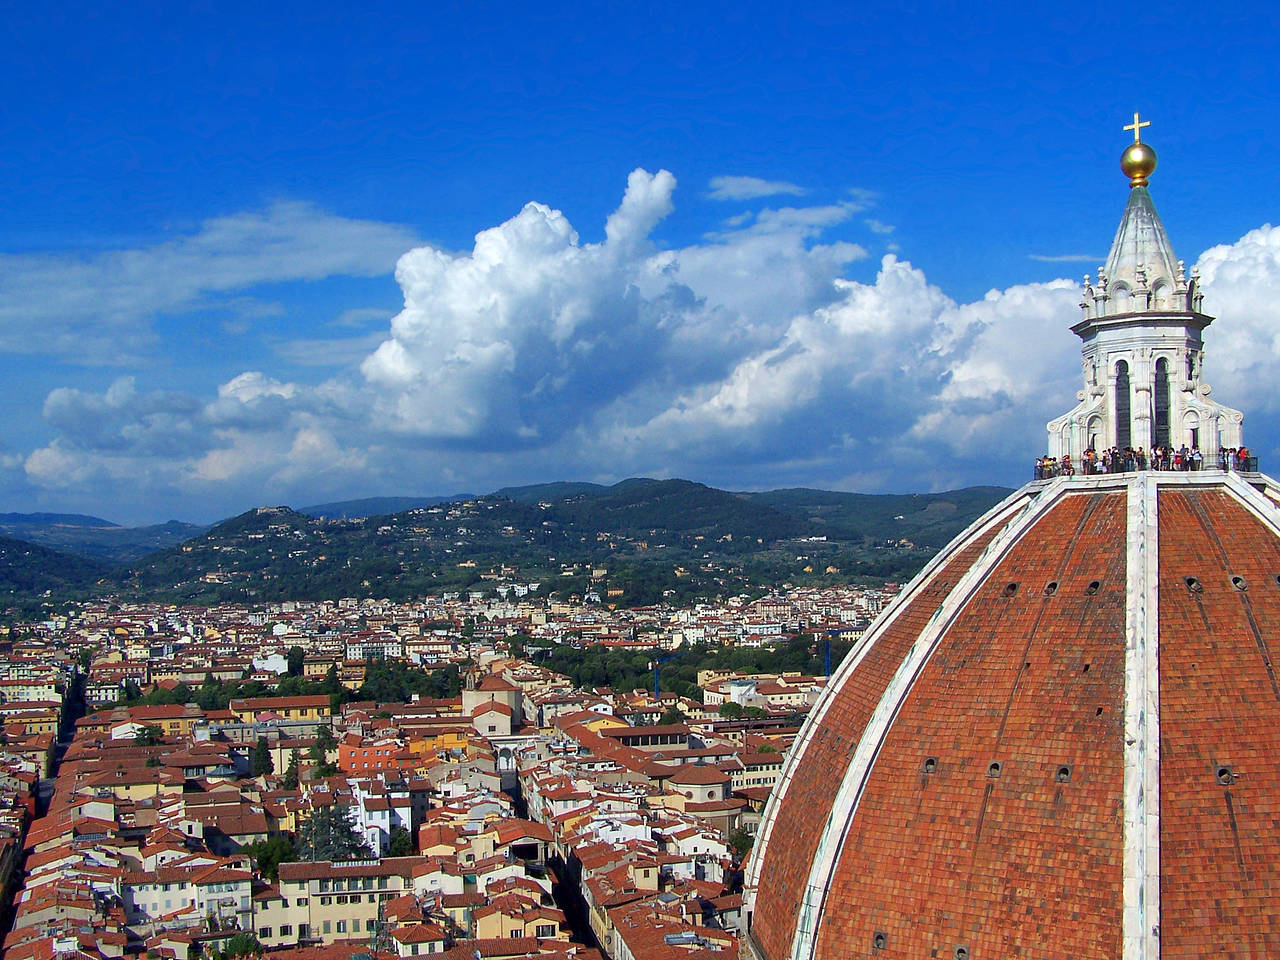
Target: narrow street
<point x="73" y="708"/>
<point x="564" y="887"/>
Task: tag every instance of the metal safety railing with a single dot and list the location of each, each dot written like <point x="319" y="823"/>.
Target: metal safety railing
<point x="1047" y="468"/>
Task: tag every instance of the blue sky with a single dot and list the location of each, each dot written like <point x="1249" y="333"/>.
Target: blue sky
<point x="205" y="207"/>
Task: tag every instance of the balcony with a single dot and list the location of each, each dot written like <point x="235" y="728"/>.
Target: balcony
<point x="1046" y="468"/>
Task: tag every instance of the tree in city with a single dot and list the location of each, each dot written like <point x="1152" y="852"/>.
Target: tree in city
<point x="148" y="735"/>
<point x="291" y="772"/>
<point x="401" y="843"/>
<point x="272" y="852"/>
<point x="730" y="710"/>
<point x="296" y="657"/>
<point x="209" y="696"/>
<point x="319" y="753"/>
<point x="741" y="842"/>
<point x="260" y="762"/>
<point x="673" y="714"/>
<point x="241" y="945"/>
<point x="332" y="684"/>
<point x="325" y="738"/>
<point x="330" y="833"/>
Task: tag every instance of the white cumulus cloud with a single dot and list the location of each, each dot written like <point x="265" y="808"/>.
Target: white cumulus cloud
<point x="524" y="335"/>
<point x="747" y="359"/>
<point x="749" y="188"/>
<point x="1242" y="348"/>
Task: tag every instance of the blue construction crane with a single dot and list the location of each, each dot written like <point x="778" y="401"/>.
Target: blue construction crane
<point x="655" y="664"/>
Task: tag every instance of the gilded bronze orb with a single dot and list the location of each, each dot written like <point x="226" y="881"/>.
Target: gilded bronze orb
<point x="1137" y="162"/>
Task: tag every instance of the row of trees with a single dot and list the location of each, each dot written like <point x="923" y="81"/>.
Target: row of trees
<point x="629" y="669"/>
<point x="384" y="682"/>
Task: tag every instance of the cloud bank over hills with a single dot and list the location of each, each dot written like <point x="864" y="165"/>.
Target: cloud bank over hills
<point x="745" y="360"/>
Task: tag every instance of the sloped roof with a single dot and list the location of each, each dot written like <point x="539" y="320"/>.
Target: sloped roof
<point x="1141" y="242"/>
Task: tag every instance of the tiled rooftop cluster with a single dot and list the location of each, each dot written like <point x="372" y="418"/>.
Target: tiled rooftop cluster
<point x="34" y="679"/>
<point x="155" y="643"/>
<point x="150" y="836"/>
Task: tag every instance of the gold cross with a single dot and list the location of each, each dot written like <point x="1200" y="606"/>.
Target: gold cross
<point x="1136" y="126"/>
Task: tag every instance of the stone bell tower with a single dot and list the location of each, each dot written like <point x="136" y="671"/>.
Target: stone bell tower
<point x="1143" y="350"/>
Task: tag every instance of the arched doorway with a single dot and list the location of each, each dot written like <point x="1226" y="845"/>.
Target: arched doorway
<point x="1191" y="426"/>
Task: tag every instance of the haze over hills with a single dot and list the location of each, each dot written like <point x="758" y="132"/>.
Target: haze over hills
<point x="52" y="519"/>
<point x="95" y="538"/>
<point x="635" y="542"/>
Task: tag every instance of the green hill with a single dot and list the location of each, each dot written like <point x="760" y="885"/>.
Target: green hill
<point x="559" y="490"/>
<point x="929" y="520"/>
<point x="648" y="508"/>
<point x="374" y="506"/>
<point x="638" y="541"/>
<point x="51" y="519"/>
<point x="30" y="573"/>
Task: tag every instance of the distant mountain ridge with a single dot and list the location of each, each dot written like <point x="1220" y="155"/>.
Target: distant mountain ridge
<point x="94" y="538"/>
<point x="636" y="542"/>
<point x="557" y="490"/>
<point x="47" y="519"/>
<point x="376" y="506"/>
<point x="928" y="519"/>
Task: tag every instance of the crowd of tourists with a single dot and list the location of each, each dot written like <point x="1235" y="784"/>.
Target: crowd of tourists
<point x="1115" y="460"/>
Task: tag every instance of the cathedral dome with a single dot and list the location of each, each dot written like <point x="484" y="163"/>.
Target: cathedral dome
<point x="1059" y="740"/>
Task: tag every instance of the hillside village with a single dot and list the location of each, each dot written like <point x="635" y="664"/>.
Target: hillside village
<point x="143" y="811"/>
<point x="637" y="543"/>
